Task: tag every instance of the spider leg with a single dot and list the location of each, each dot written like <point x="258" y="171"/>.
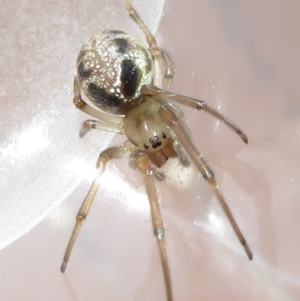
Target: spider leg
<point x="182" y="158"/>
<point x="100" y="125"/>
<point x="169" y="72"/>
<point x="194" y="103"/>
<point x="171" y="119"/>
<point x="146" y="169"/>
<point x="159" y="56"/>
<point x="104" y="157"/>
<point x="116" y="121"/>
<point x="137" y="19"/>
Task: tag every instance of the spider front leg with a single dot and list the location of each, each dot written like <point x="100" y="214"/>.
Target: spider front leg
<point x="171" y="119"/>
<point x="104" y="157"/>
<point x="147" y="171"/>
<point x="193" y="103"/>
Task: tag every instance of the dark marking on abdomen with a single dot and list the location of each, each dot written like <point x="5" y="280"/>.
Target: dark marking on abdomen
<point x="130" y="78"/>
<point x="82" y="72"/>
<point x="102" y="98"/>
<point x="122" y="45"/>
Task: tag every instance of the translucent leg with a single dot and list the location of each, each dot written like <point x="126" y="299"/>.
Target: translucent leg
<point x="157" y="222"/>
<point x="105" y="156"/>
<point x="169" y="72"/>
<point x="194" y="103"/>
<point x="204" y="169"/>
<point x="137" y="19"/>
<point x="100" y="125"/>
<point x="183" y="160"/>
<point x="159" y="57"/>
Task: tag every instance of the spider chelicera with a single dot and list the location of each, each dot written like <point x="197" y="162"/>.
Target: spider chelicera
<point x="130" y="83"/>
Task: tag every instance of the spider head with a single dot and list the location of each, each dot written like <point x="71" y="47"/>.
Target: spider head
<point x="146" y="129"/>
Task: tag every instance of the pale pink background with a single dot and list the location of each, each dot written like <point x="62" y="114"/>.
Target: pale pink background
<point x="240" y="56"/>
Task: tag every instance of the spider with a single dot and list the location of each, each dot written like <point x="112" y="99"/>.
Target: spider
<point x="129" y="87"/>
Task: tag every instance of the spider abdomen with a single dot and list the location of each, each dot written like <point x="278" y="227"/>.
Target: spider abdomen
<point x="111" y="68"/>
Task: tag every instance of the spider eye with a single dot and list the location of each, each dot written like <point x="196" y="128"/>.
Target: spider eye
<point x="155" y="143"/>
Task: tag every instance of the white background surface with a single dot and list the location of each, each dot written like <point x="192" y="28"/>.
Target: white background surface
<point x="242" y="58"/>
